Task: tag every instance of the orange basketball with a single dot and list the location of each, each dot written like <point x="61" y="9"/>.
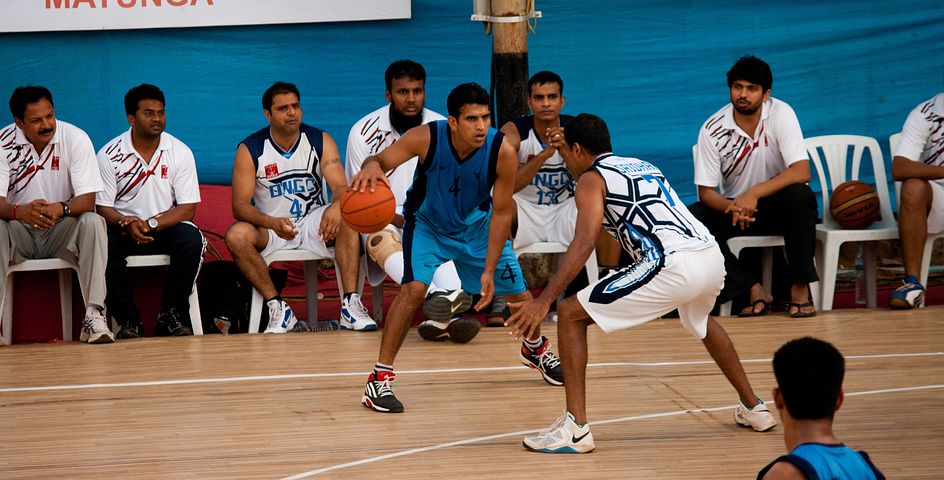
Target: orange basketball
<point x="854" y="205"/>
<point x="368" y="212"/>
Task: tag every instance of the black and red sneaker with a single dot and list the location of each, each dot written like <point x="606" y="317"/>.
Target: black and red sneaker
<point x="543" y="360"/>
<point x="378" y="394"/>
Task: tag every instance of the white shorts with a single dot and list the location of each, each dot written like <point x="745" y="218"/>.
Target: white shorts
<point x="936" y="215"/>
<point x="689" y="281"/>
<point x="545" y="223"/>
<point x="308" y="237"/>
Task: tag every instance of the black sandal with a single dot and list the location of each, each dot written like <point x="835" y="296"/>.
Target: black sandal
<point x="800" y="306"/>
<point x="749" y="311"/>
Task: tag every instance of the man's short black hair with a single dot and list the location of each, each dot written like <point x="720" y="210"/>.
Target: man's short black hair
<point x="145" y="91"/>
<point x="590" y="132"/>
<point x="278" y="88"/>
<point x="404" y="68"/>
<point x="543" y="77"/>
<point x="23" y="96"/>
<point x="751" y="69"/>
<point x="809" y="374"/>
<point x="466" y="94"/>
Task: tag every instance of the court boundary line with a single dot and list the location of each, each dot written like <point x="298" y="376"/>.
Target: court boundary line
<point x="470" y="441"/>
<point x="405" y="372"/>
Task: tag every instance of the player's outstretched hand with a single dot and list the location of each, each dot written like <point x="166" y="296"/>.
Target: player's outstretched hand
<point x="370" y="174"/>
<point x="526" y="319"/>
<point x="487" y="292"/>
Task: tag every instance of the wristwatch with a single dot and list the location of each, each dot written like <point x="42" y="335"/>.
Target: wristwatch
<point x="65" y="209"/>
<point x="152" y="224"/>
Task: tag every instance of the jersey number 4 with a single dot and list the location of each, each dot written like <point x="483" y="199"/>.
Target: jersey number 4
<point x="454" y="189"/>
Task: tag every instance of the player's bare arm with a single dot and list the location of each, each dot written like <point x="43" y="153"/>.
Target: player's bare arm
<point x="244" y="182"/>
<point x="589" y="195"/>
<point x="334" y="175"/>
<point x="904" y="168"/>
<point x="529" y="169"/>
<point x="414" y="143"/>
<point x="499" y="228"/>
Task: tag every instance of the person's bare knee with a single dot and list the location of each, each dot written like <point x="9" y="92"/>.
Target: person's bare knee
<point x="915" y="193"/>
<point x="240" y="236"/>
<point x="569" y="310"/>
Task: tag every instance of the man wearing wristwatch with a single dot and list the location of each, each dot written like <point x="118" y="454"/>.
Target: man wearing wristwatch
<point x="48" y="181"/>
<point x="150" y="196"/>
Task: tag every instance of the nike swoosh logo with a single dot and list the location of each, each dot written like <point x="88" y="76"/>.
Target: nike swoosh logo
<point x="455" y="307"/>
<point x="574" y="439"/>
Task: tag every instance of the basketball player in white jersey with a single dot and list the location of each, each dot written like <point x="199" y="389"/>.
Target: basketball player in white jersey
<point x="279" y="203"/>
<point x="150" y="196"/>
<point x="545" y="210"/>
<point x="406" y="93"/>
<point x="677" y="264"/>
<point x="48" y="181"/>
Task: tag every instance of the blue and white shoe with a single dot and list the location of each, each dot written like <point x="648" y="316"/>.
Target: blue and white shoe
<point x="281" y="317"/>
<point x="909" y="295"/>
<point x="354" y="316"/>
<point x="564" y="436"/>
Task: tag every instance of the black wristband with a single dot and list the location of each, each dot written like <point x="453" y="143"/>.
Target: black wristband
<point x="65" y="209"/>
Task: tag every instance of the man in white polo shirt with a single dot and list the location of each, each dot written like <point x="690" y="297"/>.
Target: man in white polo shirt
<point x="150" y="196"/>
<point x="751" y="170"/>
<point x="406" y="93"/>
<point x="280" y="204"/>
<point x="48" y="181"/>
<point x="918" y="163"/>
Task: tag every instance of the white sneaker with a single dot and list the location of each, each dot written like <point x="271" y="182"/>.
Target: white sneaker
<point x="758" y="418"/>
<point x="95" y="328"/>
<point x="564" y="436"/>
<point x="281" y="318"/>
<point x="354" y="316"/>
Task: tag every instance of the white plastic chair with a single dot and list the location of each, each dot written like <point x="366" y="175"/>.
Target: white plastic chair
<point x="65" y="294"/>
<point x="593" y="272"/>
<point x="833" y="151"/>
<point x="929" y="243"/>
<point x="196" y="324"/>
<point x="312" y="263"/>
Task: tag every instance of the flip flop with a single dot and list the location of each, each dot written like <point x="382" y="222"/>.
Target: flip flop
<point x="800" y="313"/>
<point x="749" y="311"/>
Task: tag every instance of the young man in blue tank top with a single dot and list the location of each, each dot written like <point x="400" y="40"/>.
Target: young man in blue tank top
<point x="459" y="208"/>
<point x="676" y="265"/>
<point x="809" y="375"/>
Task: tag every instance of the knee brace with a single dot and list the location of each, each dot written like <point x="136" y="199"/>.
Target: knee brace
<point x="382" y="244"/>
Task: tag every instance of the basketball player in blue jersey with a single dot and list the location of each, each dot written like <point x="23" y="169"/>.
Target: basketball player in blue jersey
<point x="676" y="264"/>
<point x="808" y="394"/>
<point x="459" y="208"/>
<point x="279" y="204"/>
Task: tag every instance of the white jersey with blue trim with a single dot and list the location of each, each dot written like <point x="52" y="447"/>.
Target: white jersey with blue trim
<point x="552" y="184"/>
<point x="644" y="213"/>
<point x="289" y="184"/>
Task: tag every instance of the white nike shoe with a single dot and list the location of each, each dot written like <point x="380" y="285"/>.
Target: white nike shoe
<point x="443" y="305"/>
<point x="758" y="418"/>
<point x="354" y="316"/>
<point x="281" y="318"/>
<point x="564" y="436"/>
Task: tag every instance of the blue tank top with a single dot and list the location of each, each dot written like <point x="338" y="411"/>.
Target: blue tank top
<point x="449" y="192"/>
<point x="829" y="462"/>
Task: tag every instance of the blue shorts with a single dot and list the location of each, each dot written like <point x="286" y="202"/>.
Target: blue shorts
<point x="424" y="250"/>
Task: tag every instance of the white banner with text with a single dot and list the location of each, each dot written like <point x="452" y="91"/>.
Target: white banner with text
<point x="56" y="15"/>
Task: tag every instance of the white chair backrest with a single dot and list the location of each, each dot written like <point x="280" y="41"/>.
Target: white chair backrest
<point x="833" y="152"/>
<point x="892" y="146"/>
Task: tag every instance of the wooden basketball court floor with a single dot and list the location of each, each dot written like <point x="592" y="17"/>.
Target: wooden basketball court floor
<point x="288" y="406"/>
